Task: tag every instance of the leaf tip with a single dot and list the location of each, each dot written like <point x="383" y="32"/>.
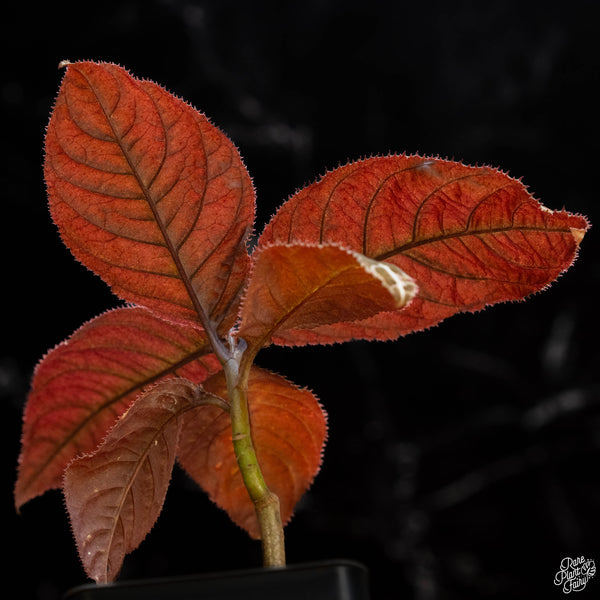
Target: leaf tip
<point x="578" y="234"/>
<point x="399" y="284"/>
<point x="64" y="63"/>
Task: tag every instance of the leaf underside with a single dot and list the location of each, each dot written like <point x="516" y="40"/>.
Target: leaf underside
<point x="304" y="286"/>
<point x="469" y="236"/>
<point x="115" y="495"/>
<point x="289" y="429"/>
<point x="85" y="383"/>
<point x="147" y="193"/>
<point x="153" y="198"/>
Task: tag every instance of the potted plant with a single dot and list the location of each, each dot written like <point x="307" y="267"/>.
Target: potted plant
<point x="153" y="198"/>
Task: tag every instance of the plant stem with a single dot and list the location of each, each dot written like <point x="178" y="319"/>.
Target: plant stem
<point x="266" y="503"/>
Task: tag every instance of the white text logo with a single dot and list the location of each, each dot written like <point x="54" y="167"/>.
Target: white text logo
<point x="574" y="573"/>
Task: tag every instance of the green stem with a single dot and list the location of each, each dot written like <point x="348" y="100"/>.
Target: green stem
<point x="266" y="503"/>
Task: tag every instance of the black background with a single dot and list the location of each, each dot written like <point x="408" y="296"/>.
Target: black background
<point x="462" y="462"/>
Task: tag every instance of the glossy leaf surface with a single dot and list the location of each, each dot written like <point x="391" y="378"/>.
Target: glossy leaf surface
<point x="302" y="286"/>
<point x="147" y="193"/>
<point x="289" y="429"/>
<point x="82" y="386"/>
<point x="115" y="494"/>
<point x="470" y="237"/>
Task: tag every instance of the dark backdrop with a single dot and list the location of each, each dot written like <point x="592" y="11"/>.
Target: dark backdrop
<point x="462" y="461"/>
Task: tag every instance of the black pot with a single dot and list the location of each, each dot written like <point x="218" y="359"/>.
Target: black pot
<point x="330" y="580"/>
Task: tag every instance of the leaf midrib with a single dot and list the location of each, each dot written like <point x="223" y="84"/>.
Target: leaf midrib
<point x="464" y="233"/>
<point x="127" y="488"/>
<point x="302" y="301"/>
<point x="113" y="400"/>
<point x="150" y="201"/>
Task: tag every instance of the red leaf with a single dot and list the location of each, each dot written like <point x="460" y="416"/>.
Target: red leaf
<point x="85" y="383"/>
<point x="469" y="237"/>
<point x="115" y="495"/>
<point x="156" y="200"/>
<point x="302" y="286"/>
<point x="147" y="193"/>
<point x="289" y="430"/>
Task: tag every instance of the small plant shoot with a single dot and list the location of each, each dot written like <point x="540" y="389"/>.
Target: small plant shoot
<point x="148" y="194"/>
